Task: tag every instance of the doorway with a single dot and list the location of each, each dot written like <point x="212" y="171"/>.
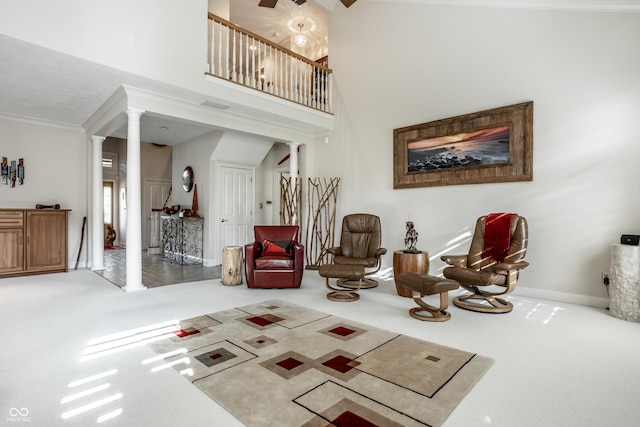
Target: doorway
<point x="155" y="193"/>
<point x="236" y="205"/>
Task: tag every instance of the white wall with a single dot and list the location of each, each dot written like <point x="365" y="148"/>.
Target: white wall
<point x="266" y="188"/>
<point x="196" y="153"/>
<point x="55" y="161"/>
<point x="403" y="64"/>
<point x="164" y="40"/>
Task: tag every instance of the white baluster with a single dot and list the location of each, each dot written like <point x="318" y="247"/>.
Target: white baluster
<point x="314" y="88"/>
<point x="253" y="63"/>
<point x="287" y="83"/>
<point x="240" y="58"/>
<point x="330" y="93"/>
<point x="234" y="74"/>
<point x="270" y="81"/>
<point x="259" y="73"/>
<point x="211" y="34"/>
<point x="219" y="73"/>
<point x="246" y="61"/>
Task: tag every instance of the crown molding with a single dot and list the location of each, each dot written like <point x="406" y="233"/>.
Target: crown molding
<point x="39" y="122"/>
<point x="575" y="5"/>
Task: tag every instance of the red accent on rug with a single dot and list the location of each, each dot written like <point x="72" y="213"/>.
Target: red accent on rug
<point x="349" y="419"/>
<point x="339" y="363"/>
<point x="260" y="321"/>
<point x="289" y="363"/>
<point x="342" y="331"/>
<point x="185" y="333"/>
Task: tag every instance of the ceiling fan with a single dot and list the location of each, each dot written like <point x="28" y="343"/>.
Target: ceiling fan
<point x="272" y="3"/>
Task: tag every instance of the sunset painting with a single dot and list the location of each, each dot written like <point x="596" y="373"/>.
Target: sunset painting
<point x="477" y="148"/>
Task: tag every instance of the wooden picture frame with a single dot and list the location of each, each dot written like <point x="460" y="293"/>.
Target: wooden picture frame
<point x="488" y="146"/>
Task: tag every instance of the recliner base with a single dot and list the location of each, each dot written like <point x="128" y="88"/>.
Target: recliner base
<point x="367" y="283"/>
<point x="495" y="305"/>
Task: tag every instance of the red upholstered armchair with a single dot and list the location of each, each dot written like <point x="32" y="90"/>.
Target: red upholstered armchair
<point x="275" y="259"/>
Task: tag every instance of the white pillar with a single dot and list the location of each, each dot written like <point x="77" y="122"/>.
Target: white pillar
<point x="97" y="207"/>
<point x="134" y="209"/>
<point x="293" y="174"/>
<point x="293" y="159"/>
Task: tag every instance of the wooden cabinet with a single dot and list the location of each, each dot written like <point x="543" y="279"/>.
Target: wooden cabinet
<point x="33" y="241"/>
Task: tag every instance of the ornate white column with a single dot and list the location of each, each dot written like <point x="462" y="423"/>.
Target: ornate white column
<point x="97" y="207"/>
<point x="134" y="208"/>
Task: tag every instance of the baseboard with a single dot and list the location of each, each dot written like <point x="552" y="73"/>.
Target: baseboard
<point x="589" y="301"/>
<point x="208" y="262"/>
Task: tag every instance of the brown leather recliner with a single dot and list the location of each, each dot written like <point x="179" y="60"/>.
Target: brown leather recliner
<point x="494" y="269"/>
<point x="360" y="245"/>
<point x="275" y="259"/>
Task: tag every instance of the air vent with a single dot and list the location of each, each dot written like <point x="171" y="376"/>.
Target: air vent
<point x="215" y="105"/>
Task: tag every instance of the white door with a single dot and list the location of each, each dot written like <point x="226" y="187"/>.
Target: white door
<point x="155" y="193"/>
<point x="236" y="205"/>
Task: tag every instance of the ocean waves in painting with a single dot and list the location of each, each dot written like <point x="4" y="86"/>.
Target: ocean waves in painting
<point x="478" y="148"/>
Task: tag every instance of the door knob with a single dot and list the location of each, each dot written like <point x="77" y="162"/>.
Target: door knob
<point x="224" y="220"/>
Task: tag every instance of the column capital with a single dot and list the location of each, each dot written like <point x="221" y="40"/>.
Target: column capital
<point x="98" y="139"/>
<point x="134" y="112"/>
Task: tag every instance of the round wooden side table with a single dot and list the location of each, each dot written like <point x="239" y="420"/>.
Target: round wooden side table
<point x="407" y="261"/>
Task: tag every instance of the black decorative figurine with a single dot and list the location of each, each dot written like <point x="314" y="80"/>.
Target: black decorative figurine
<point x="410" y="239"/>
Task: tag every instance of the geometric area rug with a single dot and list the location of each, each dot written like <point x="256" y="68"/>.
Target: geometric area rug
<point x="279" y="364"/>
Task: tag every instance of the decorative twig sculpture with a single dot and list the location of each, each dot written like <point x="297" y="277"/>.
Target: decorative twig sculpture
<point x="322" y="195"/>
<point x="291" y="197"/>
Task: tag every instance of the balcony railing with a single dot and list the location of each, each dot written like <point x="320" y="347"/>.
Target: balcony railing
<point x="242" y="57"/>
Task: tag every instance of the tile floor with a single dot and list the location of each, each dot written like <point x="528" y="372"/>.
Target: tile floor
<point x="156" y="271"/>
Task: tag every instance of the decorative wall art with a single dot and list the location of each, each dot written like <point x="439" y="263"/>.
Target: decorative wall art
<point x="12" y="172"/>
<point x="488" y="146"/>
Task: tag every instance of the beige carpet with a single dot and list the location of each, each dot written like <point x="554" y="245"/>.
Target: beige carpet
<point x="277" y="363"/>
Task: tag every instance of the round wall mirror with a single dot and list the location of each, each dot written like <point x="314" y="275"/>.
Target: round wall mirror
<point x="187" y="179"/>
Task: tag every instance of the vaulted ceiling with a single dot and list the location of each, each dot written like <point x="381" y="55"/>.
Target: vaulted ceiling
<point x="44" y="85"/>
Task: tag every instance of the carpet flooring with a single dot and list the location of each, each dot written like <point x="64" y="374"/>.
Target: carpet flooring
<point x="277" y="363"/>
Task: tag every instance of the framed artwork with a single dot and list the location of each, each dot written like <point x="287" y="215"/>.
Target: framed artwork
<point x="487" y="146"/>
<point x="12" y="172"/>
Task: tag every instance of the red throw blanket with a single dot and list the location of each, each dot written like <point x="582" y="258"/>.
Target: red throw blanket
<point x="497" y="236"/>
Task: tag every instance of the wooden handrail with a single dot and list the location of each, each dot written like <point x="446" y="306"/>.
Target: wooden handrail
<point x="255" y="62"/>
<point x="268" y="42"/>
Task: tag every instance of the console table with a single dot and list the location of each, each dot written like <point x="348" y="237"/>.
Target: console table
<point x="624" y="282"/>
<point x="182" y="239"/>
